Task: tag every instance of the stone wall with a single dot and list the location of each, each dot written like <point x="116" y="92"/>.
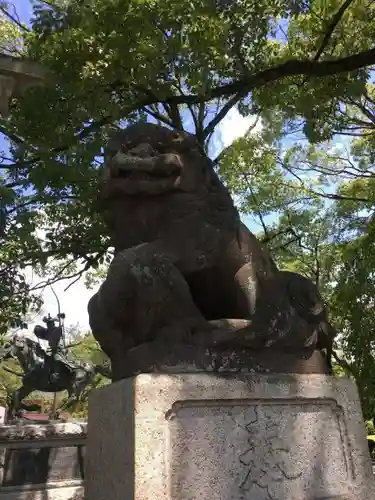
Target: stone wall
<point x="42" y="461"/>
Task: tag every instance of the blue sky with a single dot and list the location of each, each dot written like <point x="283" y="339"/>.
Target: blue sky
<point x="24" y="9"/>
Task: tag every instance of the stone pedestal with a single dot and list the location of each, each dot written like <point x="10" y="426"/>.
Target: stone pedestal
<point x="227" y="437"/>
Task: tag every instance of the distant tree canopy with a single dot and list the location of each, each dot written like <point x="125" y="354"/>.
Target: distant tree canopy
<point x="303" y="68"/>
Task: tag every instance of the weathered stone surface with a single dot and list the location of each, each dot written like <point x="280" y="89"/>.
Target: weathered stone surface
<point x="43" y="465"/>
<point x="60" y="492"/>
<point x="39" y="461"/>
<point x="17" y="75"/>
<point x="23" y="68"/>
<point x="42" y="431"/>
<point x="186" y="270"/>
<point x="157" y="357"/>
<point x="258" y="437"/>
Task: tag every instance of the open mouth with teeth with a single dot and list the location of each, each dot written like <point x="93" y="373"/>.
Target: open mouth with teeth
<point x="130" y="174"/>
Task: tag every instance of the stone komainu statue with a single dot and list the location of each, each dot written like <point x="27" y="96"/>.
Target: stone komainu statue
<point x="189" y="283"/>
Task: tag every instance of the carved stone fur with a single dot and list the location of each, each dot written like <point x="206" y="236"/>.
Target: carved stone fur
<point x="186" y="270"/>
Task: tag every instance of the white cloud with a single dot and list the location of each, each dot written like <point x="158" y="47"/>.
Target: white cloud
<point x="231" y="128"/>
<point x="235" y="125"/>
<point x="73" y="302"/>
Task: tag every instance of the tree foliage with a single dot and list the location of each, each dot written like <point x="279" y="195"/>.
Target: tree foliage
<point x="85" y="348"/>
<point x="314" y="205"/>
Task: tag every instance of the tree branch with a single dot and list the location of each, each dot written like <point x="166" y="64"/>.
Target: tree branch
<point x="13" y="19"/>
<point x="248" y="131"/>
<point x="336" y="18"/>
<point x="365" y="111"/>
<point x="330" y="196"/>
<point x="90" y="261"/>
<point x="158" y="116"/>
<point x="52" y="5"/>
<point x="293" y="67"/>
<point x="243" y="86"/>
<point x="208" y="138"/>
<point x="11" y="136"/>
<point x="190" y="108"/>
<point x="174" y="113"/>
<point x="370" y="99"/>
<point x="288" y="230"/>
<point x="258" y="211"/>
<point x="200" y="123"/>
<point x="285" y="245"/>
<point x="222" y="114"/>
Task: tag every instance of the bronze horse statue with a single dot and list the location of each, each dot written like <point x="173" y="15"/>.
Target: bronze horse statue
<point x="46" y="373"/>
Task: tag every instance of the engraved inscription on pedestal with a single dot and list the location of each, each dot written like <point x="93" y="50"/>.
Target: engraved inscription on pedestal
<point x="258" y="450"/>
<point x="25" y="466"/>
